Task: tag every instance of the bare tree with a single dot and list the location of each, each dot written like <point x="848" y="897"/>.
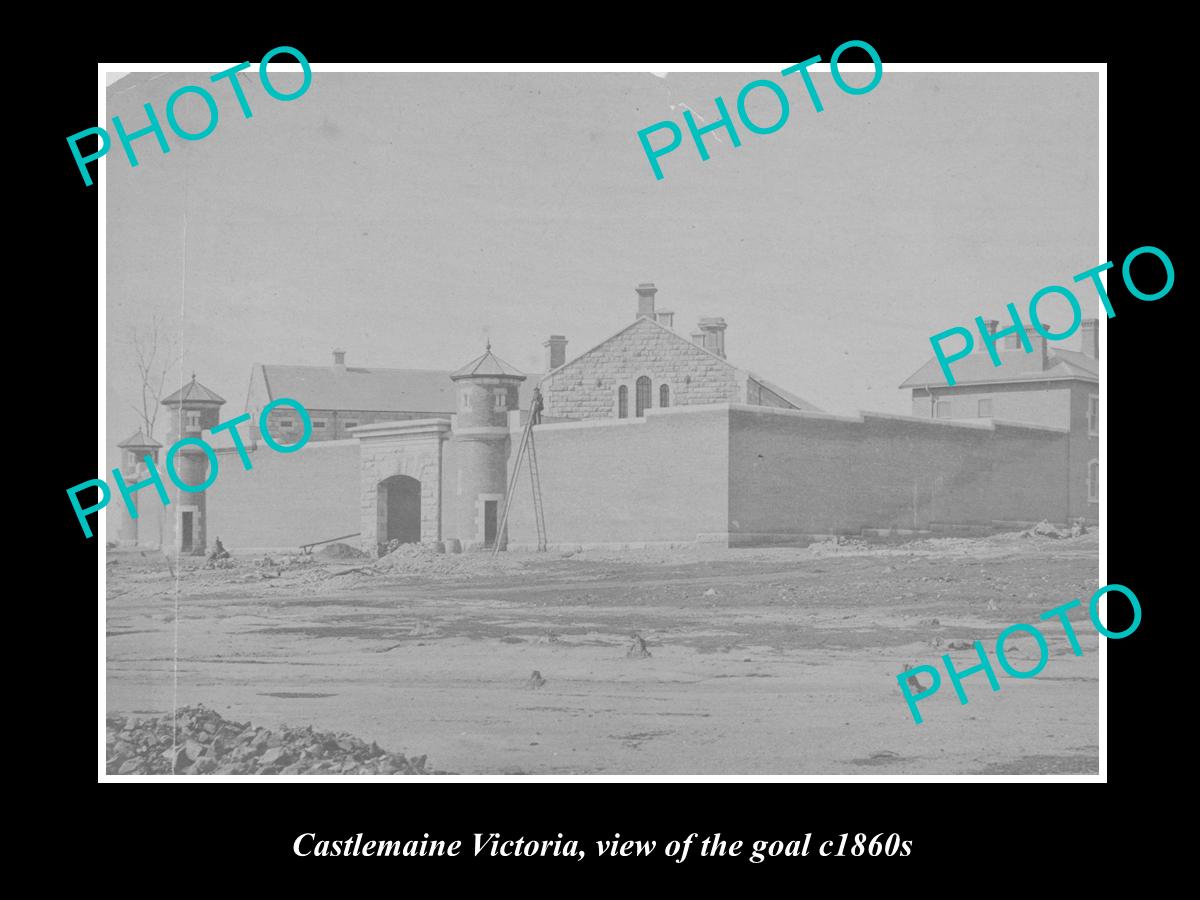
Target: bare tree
<point x="155" y="352"/>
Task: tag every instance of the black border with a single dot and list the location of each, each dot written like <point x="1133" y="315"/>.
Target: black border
<point x="953" y="826"/>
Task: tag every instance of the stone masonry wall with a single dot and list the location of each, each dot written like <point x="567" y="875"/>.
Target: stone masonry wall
<point x="419" y="459"/>
<point x="285" y="500"/>
<point x="587" y="387"/>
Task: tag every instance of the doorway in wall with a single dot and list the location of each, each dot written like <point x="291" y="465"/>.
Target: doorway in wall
<point x="489" y="522"/>
<point x="185" y="532"/>
<point x="399" y="499"/>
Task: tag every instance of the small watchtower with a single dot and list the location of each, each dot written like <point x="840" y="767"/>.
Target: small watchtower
<point x="194" y="410"/>
<point x="488" y="388"/>
<point x="134" y="450"/>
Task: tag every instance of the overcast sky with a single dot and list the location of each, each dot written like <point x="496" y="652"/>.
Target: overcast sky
<point x="405" y="217"/>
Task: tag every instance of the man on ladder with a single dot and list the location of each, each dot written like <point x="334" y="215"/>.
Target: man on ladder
<point x="525" y="448"/>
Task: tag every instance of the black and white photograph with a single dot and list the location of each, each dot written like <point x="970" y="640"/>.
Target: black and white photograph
<point x="537" y="422"/>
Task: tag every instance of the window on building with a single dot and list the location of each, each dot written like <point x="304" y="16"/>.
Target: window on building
<point x="501" y="400"/>
<point x="192" y="419"/>
<point x="1094" y="481"/>
<point x="622" y="402"/>
<point x="643" y="396"/>
<point x="985" y="408"/>
<point x="318" y="423"/>
<point x="1093" y="414"/>
<point x="664" y="396"/>
<point x="350" y="423"/>
<point x="941" y="409"/>
<point x="465" y="398"/>
<point x="286" y="423"/>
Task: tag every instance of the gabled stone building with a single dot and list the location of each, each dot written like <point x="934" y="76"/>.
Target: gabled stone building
<point x="647" y="365"/>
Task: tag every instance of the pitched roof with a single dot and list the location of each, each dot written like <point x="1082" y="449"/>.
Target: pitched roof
<point x="356" y="388"/>
<point x="1061" y="365"/>
<point x="488" y="364"/>
<point x="394" y="390"/>
<point x="192" y="392"/>
<point x="139" y="439"/>
<point x="798" y="402"/>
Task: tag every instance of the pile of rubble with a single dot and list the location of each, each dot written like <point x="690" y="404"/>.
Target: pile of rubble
<point x="838" y="544"/>
<point x="339" y="550"/>
<point x="1045" y="529"/>
<point x="207" y="744"/>
<point x="418" y="558"/>
<point x="423" y="559"/>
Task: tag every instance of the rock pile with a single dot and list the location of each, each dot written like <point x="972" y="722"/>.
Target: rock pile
<point x="837" y="544"/>
<point x="207" y="744"/>
<point x="1045" y="529"/>
<point x="638" y="649"/>
<point x="339" y="550"/>
<point x="422" y="559"/>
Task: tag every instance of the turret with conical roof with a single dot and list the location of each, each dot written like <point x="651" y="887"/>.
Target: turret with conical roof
<point x="194" y="409"/>
<point x="487" y="390"/>
<point x="135" y="449"/>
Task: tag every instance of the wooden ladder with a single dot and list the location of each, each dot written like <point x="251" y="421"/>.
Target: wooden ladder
<point x="525" y="449"/>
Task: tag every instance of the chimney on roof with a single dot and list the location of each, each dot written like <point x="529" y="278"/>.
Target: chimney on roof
<point x="992" y="325"/>
<point x="339" y="360"/>
<point x="646" y="292"/>
<point x="713" y="330"/>
<point x="1039" y="345"/>
<point x="1091" y="338"/>
<point x="556" y="351"/>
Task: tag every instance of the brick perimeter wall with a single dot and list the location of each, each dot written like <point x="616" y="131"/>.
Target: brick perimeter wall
<point x="664" y="478"/>
<point x="286" y="499"/>
<point x="798" y="474"/>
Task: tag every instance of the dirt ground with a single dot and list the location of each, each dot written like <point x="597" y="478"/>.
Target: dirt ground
<point x="762" y="661"/>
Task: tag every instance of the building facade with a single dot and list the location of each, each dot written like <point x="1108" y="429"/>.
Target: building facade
<point x="647" y="438"/>
<point x="194" y="410"/>
<point x="1044" y="385"/>
<point x="339" y="398"/>
<point x="647" y="365"/>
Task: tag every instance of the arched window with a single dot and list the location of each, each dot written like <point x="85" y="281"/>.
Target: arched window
<point x="664" y="396"/>
<point x="643" y="395"/>
<point x="622" y="402"/>
<point x="1094" y="481"/>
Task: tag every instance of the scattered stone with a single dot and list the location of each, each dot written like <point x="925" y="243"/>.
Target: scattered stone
<point x="638" y="649"/>
<point x="275" y="756"/>
<point x="1045" y="529"/>
<point x="914" y="683"/>
<point x="960" y="645"/>
<point x="711" y="592"/>
<point x="536" y="680"/>
<point x="204" y="743"/>
<point x="339" y="550"/>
